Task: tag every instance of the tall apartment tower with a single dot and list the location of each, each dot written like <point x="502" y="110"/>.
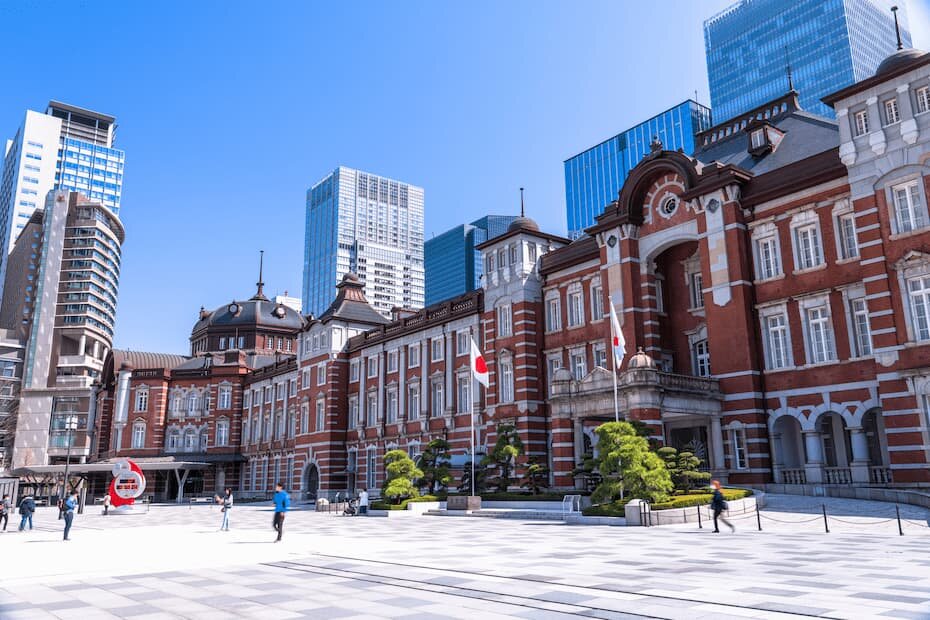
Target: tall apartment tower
<point x="369" y="225"/>
<point x="828" y="45"/>
<point x="453" y="265"/>
<point x="61" y="292"/>
<point x="67" y="148"/>
<point x="594" y="176"/>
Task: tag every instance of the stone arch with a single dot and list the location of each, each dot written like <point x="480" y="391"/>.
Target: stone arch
<point x="633" y="194"/>
<point x="310" y="473"/>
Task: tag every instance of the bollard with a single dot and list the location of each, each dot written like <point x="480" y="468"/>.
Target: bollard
<point x="825" y="525"/>
<point x="700" y="525"/>
<point x="897" y="512"/>
<point x="758" y="517"/>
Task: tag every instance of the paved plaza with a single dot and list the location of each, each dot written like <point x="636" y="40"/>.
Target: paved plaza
<point x="171" y="562"/>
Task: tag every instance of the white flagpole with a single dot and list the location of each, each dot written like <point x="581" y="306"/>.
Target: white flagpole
<point x="616" y="399"/>
<point x="471" y="409"/>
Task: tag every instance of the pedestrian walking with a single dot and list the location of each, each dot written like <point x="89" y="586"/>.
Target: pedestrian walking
<point x="5" y="508"/>
<point x="106" y="504"/>
<point x="27" y="508"/>
<point x="227" y="502"/>
<point x="718" y="505"/>
<point x="70" y="504"/>
<point x="282" y="503"/>
<point x="363" y="502"/>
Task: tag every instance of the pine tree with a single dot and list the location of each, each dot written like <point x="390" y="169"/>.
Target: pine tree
<point x="401" y="472"/>
<point x="629" y="467"/>
<point x="434" y="462"/>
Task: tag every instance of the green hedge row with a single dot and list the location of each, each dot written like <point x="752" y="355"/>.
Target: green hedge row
<point x="685" y="500"/>
<point x="403" y="504"/>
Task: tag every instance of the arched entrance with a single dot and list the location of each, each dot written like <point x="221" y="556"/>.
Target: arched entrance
<point x="311" y="481"/>
<point x="789" y="450"/>
<point x="873" y="425"/>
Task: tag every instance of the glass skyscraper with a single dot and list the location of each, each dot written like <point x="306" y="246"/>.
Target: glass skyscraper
<point x="593" y="177"/>
<point x="369" y="225"/>
<point x="453" y="265"/>
<point x="829" y="44"/>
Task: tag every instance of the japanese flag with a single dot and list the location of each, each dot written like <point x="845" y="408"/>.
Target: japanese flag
<point x="616" y="337"/>
<point x="478" y="366"/>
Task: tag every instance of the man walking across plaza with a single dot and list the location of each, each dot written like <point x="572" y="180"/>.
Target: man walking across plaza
<point x="70" y="505"/>
<point x="26" y="508"/>
<point x="282" y="503"/>
<point x="227" y="501"/>
<point x="718" y="505"/>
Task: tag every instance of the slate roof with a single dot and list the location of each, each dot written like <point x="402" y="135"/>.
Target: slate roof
<point x="351" y="305"/>
<point x="145" y="359"/>
<point x="253" y="312"/>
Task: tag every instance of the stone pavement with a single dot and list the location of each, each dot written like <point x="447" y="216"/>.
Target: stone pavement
<point x="172" y="563"/>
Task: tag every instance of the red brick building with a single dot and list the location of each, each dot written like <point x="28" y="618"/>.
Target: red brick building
<point x="777" y="281"/>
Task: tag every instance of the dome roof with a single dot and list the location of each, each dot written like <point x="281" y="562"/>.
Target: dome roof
<point x="641" y="360"/>
<point x="523" y="223"/>
<point x="899" y="59"/>
<point x="252" y="313"/>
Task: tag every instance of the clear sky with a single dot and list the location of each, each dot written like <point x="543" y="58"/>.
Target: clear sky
<point x="229" y="111"/>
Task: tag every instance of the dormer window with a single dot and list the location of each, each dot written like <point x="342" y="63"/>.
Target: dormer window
<point x="757" y="138"/>
<point x="763" y="138"/>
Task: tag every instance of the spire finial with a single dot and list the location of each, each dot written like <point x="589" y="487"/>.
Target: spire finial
<point x="521" y="203"/>
<point x="897" y="28"/>
<point x="788" y="70"/>
<point x="260" y="293"/>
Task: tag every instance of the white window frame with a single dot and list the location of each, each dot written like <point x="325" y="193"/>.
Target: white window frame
<point x="847" y="243"/>
<point x="392" y="358"/>
<point x="461" y="343"/>
<point x="600" y="355"/>
<point x="659" y="282"/>
<point x="860" y="122"/>
<point x="353" y="371"/>
<point x="860" y="329"/>
<point x="818" y="353"/>
<point x="553" y="363"/>
<point x="371" y="366"/>
<point x="319" y="417"/>
<point x="437" y="398"/>
<point x="553" y="312"/>
<point x="504" y="321"/>
<point x="305" y="415"/>
<point x="578" y="363"/>
<point x="142" y="399"/>
<point x="807" y="241"/>
<point x="739" y="448"/>
<point x="597" y="300"/>
<point x="413" y="355"/>
<point x="321" y="374"/>
<point x="890" y="111"/>
<point x="916" y="205"/>
<point x="353" y="412"/>
<point x="574" y="298"/>
<point x="224" y="397"/>
<point x="506" y="394"/>
<point x="463" y="392"/>
<point x="413" y="401"/>
<point x="222" y="433"/>
<point x="922" y="99"/>
<point x="371" y="409"/>
<point x="917" y="291"/>
<point x="138" y="435"/>
<point x="371" y="468"/>
<point x="700" y="358"/>
<point x="390" y="406"/>
<point x="436" y="346"/>
<point x="776" y="334"/>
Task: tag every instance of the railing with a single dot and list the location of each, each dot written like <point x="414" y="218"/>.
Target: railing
<point x="651" y="376"/>
<point x="837" y="475"/>
<point x="794" y="476"/>
<point x="879" y="474"/>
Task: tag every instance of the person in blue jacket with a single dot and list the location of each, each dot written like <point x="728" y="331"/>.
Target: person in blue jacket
<point x="70" y="506"/>
<point x="282" y="503"/>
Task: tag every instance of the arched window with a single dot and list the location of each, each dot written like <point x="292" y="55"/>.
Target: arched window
<point x="222" y="432"/>
<point x="225" y="397"/>
<point x="138" y="434"/>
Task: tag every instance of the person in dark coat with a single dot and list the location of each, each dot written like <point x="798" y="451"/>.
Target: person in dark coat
<point x="27" y="508"/>
<point x="5" y="509"/>
<point x="718" y="505"/>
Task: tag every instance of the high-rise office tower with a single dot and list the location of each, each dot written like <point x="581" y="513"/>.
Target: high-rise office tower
<point x="62" y="287"/>
<point x="594" y="176"/>
<point x="828" y="44"/>
<point x="66" y="148"/>
<point x="366" y="224"/>
<point x="453" y="265"/>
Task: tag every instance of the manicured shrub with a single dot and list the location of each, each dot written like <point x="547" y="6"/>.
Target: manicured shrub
<point x="629" y="468"/>
<point x="401" y="472"/>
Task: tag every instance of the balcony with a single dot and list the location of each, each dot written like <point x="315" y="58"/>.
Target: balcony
<point x="81" y="360"/>
<point x="74" y="381"/>
<point x="651" y="377"/>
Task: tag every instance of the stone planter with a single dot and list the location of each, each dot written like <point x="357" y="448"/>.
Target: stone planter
<point x="463" y="502"/>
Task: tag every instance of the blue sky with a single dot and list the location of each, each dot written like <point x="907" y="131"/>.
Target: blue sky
<point x="229" y="111"/>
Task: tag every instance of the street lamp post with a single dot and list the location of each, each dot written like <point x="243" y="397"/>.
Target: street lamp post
<point x="71" y="423"/>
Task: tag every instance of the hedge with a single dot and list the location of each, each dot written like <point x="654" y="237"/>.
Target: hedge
<point x="691" y="498"/>
<point x="403" y="504"/>
<point x="516" y="496"/>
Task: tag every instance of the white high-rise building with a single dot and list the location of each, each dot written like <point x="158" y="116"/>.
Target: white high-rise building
<point x="369" y="225"/>
<point x="67" y="148"/>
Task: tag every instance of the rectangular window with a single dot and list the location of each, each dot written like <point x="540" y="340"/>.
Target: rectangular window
<point x="371" y="474"/>
<point x="436" y="399"/>
<point x="353" y="412"/>
<point x="776" y="333"/>
<point x="222" y="433"/>
<point x="553" y="314"/>
<point x="532" y="249"/>
<point x="320" y="415"/>
<point x="862" y="336"/>
<point x="504" y="321"/>
<point x="553" y="364"/>
<point x="305" y="417"/>
<point x="600" y="355"/>
<point x="696" y="281"/>
<point x="578" y="366"/>
<point x="138" y="435"/>
<point x="701" y="358"/>
<point x="891" y="112"/>
<point x="919" y="291"/>
<point x="767" y="258"/>
<point x="222" y="343"/>
<point x="142" y="397"/>
<point x="461" y="343"/>
<point x="923" y="99"/>
<point x="268" y="394"/>
<point x="392" y="361"/>
<point x="413" y="356"/>
<point x="305" y="378"/>
<point x="506" y="375"/>
<point x="846" y="225"/>
<point x="820" y="335"/>
<point x="597" y="302"/>
<point x="513" y="253"/>
<point x="390" y="406"/>
<point x="575" y="309"/>
<point x="908" y="211"/>
<point x="861" y="122"/>
<point x="292" y="387"/>
<point x="372" y="367"/>
<point x="808" y="246"/>
<point x="463" y="392"/>
<point x="758" y="138"/>
<point x="225" y="397"/>
<point x="321" y="374"/>
<point x="371" y="410"/>
<point x="738" y="441"/>
<point x="353" y="371"/>
<point x="660" y="294"/>
<point x="413" y="402"/>
<point x="436" y="349"/>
